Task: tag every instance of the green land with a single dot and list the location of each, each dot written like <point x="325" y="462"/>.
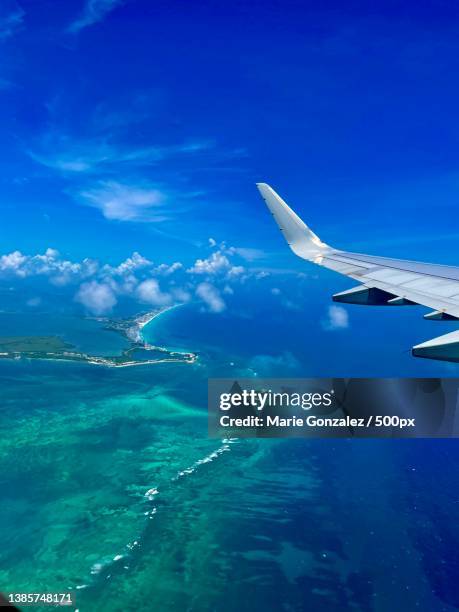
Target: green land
<point x="28" y="344"/>
<point x="54" y="347"/>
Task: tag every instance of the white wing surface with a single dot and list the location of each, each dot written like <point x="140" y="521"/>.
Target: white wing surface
<point x="382" y="281"/>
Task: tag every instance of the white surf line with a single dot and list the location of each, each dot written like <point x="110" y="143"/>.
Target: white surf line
<point x="207" y="459"/>
<point x="150" y="495"/>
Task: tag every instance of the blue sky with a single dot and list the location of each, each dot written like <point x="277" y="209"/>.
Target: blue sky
<point x="137" y="126"/>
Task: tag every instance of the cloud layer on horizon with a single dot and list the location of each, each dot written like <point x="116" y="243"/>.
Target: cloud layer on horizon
<point x="98" y="287"/>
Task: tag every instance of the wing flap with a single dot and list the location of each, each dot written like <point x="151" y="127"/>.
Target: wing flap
<point x="443" y="348"/>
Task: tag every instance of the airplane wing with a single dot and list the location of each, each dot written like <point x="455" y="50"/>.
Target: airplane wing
<point x="382" y="281"/>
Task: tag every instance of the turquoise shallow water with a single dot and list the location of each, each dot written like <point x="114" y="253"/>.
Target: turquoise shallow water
<point x="111" y="487"/>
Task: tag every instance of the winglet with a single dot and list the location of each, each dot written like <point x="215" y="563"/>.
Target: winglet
<point x="299" y="237"/>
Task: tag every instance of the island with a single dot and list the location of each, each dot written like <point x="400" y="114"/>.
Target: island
<point x="138" y="352"/>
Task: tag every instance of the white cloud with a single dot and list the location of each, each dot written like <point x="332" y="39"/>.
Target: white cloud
<point x="96" y="297"/>
<point x="236" y="271"/>
<point x="60" y="271"/>
<point x="337" y="318"/>
<point x="247" y="253"/>
<point x="123" y="202"/>
<point x="100" y="285"/>
<point x="181" y="295"/>
<point x="126" y="286"/>
<point x="217" y="263"/>
<point x="94" y="11"/>
<point x="167" y="269"/>
<point x="121" y="278"/>
<point x="149" y="291"/>
<point x="13" y="262"/>
<point x="135" y="262"/>
<point x="211" y="297"/>
<point x="125" y="277"/>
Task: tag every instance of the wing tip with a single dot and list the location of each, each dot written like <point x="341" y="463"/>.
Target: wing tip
<point x="300" y="238"/>
<point x="263" y="186"/>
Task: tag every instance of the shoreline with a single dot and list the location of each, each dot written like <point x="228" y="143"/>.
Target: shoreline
<point x="131" y="329"/>
<point x="153" y="316"/>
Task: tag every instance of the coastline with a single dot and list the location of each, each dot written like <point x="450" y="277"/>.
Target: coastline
<point x="131" y="329"/>
<point x="154" y="315"/>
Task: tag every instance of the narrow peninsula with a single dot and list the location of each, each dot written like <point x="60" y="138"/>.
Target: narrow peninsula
<point x="138" y="352"/>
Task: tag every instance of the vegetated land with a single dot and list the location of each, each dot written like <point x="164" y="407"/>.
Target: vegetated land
<point x="26" y="344"/>
<point x="54" y="348"/>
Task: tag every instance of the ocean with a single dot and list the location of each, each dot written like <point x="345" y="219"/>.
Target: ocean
<point x="111" y="487"/>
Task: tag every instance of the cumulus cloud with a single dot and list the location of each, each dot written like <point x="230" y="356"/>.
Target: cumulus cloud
<point x="124" y="202"/>
<point x="98" y="286"/>
<point x="63" y="271"/>
<point x="126" y="285"/>
<point x="135" y="262"/>
<point x="247" y="253"/>
<point x="337" y="318"/>
<point x="167" y="269"/>
<point x="94" y="11"/>
<point x="180" y="295"/>
<point x="14" y="263"/>
<point x="150" y="292"/>
<point x="97" y="298"/>
<point x="220" y="262"/>
<point x="216" y="263"/>
<point x="50" y="263"/>
<point x="236" y="271"/>
<point x="211" y="297"/>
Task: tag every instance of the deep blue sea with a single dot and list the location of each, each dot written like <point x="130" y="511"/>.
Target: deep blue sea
<point x="110" y="486"/>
